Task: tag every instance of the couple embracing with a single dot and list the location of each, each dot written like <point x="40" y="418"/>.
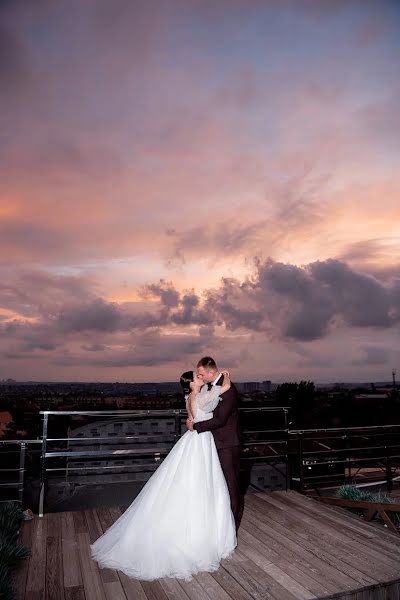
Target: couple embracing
<point x="186" y="517"/>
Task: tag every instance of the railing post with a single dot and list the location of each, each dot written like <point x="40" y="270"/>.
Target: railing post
<point x="22" y="451"/>
<point x="288" y="464"/>
<point x="286" y="417"/>
<point x="389" y="477"/>
<point x="43" y="465"/>
<point x="178" y="427"/>
<point x="301" y="465"/>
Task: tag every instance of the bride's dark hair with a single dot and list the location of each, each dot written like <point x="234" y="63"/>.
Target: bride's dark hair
<point x="185" y="381"/>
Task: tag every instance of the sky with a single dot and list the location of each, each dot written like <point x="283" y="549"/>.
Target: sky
<point x="190" y="178"/>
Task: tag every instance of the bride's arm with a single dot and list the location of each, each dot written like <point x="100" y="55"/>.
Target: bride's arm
<point x="227" y="382"/>
<point x="191" y="404"/>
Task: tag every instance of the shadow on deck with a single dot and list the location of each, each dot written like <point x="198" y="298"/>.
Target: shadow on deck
<point x="289" y="547"/>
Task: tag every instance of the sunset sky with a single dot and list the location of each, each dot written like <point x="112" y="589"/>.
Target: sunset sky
<point x="191" y="177"/>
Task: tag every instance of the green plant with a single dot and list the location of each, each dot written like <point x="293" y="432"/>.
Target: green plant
<point x="11" y="553"/>
<point x="352" y="492"/>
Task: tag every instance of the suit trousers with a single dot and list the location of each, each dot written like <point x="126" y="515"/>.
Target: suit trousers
<point x="230" y="463"/>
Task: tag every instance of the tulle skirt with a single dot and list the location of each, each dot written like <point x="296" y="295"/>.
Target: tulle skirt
<point x="181" y="522"/>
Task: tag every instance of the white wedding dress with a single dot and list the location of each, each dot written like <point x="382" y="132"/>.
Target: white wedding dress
<point x="181" y="522"/>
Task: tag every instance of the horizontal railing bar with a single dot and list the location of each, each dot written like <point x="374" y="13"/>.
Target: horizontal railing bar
<point x="100" y="468"/>
<point x="15" y="470"/>
<point x="329" y="476"/>
<point x="116" y="413"/>
<point x="349" y="450"/>
<point x="19" y="442"/>
<point x="338" y="438"/>
<point x="121" y="452"/>
<point x="133" y="451"/>
<point x="10" y="485"/>
<point x="150" y="411"/>
<point x="264" y="430"/>
<point x="145" y="466"/>
<point x="350" y="460"/>
<point x="112" y="438"/>
<point x="263" y="457"/>
<point x="360" y="428"/>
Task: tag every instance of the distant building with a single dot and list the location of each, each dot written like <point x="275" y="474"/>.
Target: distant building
<point x="251" y="386"/>
<point x="266" y="386"/>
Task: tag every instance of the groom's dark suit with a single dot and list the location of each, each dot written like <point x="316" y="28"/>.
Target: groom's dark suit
<point x="225" y="427"/>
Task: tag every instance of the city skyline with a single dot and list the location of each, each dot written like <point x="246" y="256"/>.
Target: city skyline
<point x="200" y="179"/>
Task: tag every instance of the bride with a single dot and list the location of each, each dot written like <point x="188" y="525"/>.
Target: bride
<point x="181" y="522"/>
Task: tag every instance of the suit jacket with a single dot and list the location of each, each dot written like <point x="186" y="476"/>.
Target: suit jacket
<point x="225" y="424"/>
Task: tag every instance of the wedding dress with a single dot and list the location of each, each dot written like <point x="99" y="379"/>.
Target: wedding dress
<point x="181" y="522"/>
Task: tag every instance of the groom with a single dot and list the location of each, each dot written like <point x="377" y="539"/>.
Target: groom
<point x="226" y="431"/>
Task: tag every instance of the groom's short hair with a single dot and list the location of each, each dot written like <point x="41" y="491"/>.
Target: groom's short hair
<point x="208" y="363"/>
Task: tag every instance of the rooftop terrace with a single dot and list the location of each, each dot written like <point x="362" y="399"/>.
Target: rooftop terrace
<point x="290" y="547"/>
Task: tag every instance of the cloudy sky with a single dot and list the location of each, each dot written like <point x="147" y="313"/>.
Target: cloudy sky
<point x="199" y="177"/>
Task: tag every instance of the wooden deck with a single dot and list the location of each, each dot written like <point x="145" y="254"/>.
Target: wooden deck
<point x="289" y="547"/>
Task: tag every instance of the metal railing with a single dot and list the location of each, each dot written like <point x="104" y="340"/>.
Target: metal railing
<point x="312" y="458"/>
<point x="155" y="453"/>
<point x="20" y="448"/>
<point x="320" y="458"/>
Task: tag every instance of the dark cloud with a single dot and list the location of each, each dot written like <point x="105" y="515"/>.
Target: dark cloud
<point x="279" y="301"/>
<point x="97" y="315"/>
<point x="235" y="305"/>
<point x="303" y="308"/>
<point x="373" y="355"/>
<point x="165" y="291"/>
<point x="361" y="300"/>
<point x="37" y="293"/>
<point x="94" y="347"/>
<point x="150" y="350"/>
<point x="220" y="238"/>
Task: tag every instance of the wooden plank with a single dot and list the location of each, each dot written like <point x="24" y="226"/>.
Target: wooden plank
<point x="70" y="555"/>
<point x="92" y="582"/>
<point x="79" y="521"/>
<point x="311" y="542"/>
<point x="315" y="542"/>
<point x="231" y="585"/>
<point x="339" y="532"/>
<point x="344" y="518"/>
<point x="74" y="593"/>
<point x="236" y="568"/>
<point x="388" y="567"/>
<point x="34" y="595"/>
<point x="286" y="574"/>
<point x="210" y="586"/>
<point x="132" y="587"/>
<point x="153" y="590"/>
<point x="383" y="540"/>
<point x="115" y="513"/>
<point x="172" y="589"/>
<point x="256" y="556"/>
<point x="194" y="589"/>
<point x="93" y="524"/>
<point x="114" y="590"/>
<point x="324" y="577"/>
<point x="54" y="561"/>
<point x="100" y="518"/>
<point x="37" y="564"/>
<point x="20" y="575"/>
<point x="104" y="517"/>
<point x="271" y="587"/>
<point x="298" y="507"/>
